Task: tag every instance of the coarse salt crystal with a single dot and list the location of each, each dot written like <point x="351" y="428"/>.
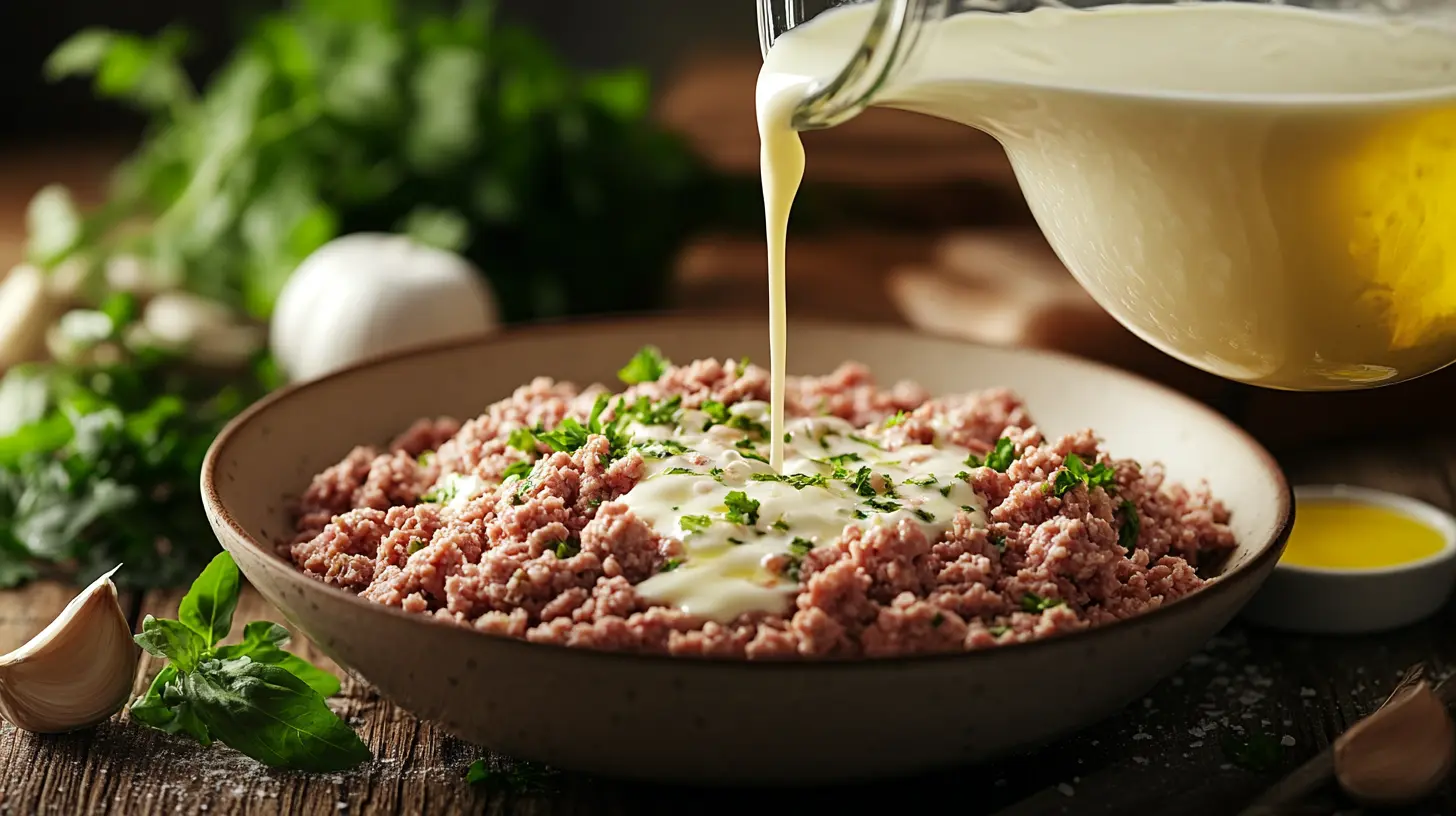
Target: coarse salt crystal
<point x="1287" y="741"/>
<point x="1066" y="789"/>
<point x="1307" y="692"/>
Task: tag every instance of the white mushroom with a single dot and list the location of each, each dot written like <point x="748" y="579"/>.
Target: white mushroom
<point x="77" y="672"/>
<point x="369" y="293"/>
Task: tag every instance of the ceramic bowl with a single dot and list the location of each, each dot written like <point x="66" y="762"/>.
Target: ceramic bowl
<point x="716" y="721"/>
<point x="1316" y="600"/>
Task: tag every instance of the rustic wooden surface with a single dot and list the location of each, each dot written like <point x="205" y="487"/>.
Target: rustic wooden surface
<point x="1177" y="751"/>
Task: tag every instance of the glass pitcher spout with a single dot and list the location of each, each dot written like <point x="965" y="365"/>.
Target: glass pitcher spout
<point x="890" y="41"/>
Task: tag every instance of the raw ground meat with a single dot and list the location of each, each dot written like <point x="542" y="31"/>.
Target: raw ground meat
<point x="1044" y="565"/>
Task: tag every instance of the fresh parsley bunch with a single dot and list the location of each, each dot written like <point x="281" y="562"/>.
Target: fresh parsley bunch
<point x="252" y="696"/>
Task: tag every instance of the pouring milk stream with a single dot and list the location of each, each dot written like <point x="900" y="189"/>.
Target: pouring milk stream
<point x="1262" y="191"/>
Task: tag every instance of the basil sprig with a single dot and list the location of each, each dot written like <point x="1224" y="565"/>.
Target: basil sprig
<point x="252" y="696"/>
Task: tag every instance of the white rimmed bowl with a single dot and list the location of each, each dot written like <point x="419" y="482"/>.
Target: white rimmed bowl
<point x="1325" y="600"/>
<point x="721" y="721"/>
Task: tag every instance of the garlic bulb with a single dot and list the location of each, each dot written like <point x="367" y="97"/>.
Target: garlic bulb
<point x="1401" y="753"/>
<point x="26" y="309"/>
<point x="369" y="293"/>
<point x="77" y="672"/>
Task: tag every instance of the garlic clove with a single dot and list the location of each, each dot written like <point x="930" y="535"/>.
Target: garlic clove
<point x="25" y="312"/>
<point x="1401" y="753"/>
<point x="77" y="672"/>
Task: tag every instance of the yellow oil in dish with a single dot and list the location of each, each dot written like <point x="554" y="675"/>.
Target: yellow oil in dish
<point x="1334" y="534"/>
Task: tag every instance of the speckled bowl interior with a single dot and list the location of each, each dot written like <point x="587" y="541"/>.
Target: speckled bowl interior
<point x="719" y="721"/>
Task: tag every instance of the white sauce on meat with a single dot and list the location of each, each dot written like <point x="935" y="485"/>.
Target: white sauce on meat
<point x="737" y="516"/>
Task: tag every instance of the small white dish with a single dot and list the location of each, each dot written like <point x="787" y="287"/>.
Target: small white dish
<point x="1339" y="600"/>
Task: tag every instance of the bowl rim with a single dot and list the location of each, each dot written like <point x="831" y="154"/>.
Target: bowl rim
<point x="1412" y="508"/>
<point x="1214" y="587"/>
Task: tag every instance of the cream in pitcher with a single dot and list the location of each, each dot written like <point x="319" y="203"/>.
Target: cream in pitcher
<point x="1265" y="192"/>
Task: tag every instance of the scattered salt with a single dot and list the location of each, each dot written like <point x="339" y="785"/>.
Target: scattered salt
<point x="1287" y="741"/>
<point x="1307" y="692"/>
<point x="1066" y="789"/>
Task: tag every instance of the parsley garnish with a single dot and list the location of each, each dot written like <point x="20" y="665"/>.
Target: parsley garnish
<point x="922" y="481"/>
<point x="566" y="549"/>
<point x="425" y="458"/>
<point x="671" y="564"/>
<point x="863" y="483"/>
<point x="252" y="696"/>
<point x="717" y="413"/>
<point x="716" y="473"/>
<point x="925" y="515"/>
<point x="646" y="366"/>
<point x="963" y="476"/>
<point x="898" y="418"/>
<point x="732" y="540"/>
<point x="882" y="505"/>
<point x="741" y="509"/>
<point x="415" y="545"/>
<point x="864" y="441"/>
<point x="781" y="525"/>
<point x="681" y="471"/>
<point x="1074" y="472"/>
<point x="859" y="514"/>
<point x="945" y="491"/>
<point x="518" y="469"/>
<point x="663" y="413"/>
<point x="797" y="480"/>
<point x="694" y="524"/>
<point x="936" y="621"/>
<point x="1127" y="534"/>
<point x="1032" y="602"/>
<point x="999" y="459"/>
<point x="998" y="631"/>
<point x="570" y="435"/>
<point x="663" y="449"/>
<point x="745" y="449"/>
<point x="998" y="541"/>
<point x="798" y="548"/>
<point x="523" y="440"/>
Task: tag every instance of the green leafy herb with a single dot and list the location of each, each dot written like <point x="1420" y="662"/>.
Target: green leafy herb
<point x="415" y="545"/>
<point x="570" y="435"/>
<point x="998" y="541"/>
<point x="252" y="696"/>
<point x="798" y="548"/>
<point x="945" y="490"/>
<point x="863" y="441"/>
<point x="882" y="505"/>
<point x="963" y="476"/>
<point x="898" y="418"/>
<point x="741" y="509"/>
<point x="511" y="776"/>
<point x="1031" y="602"/>
<point x="662" y="413"/>
<point x="695" y="524"/>
<point x="663" y="449"/>
<point x="1127" y="534"/>
<point x="863" y="482"/>
<point x="1001" y="456"/>
<point x="523" y="440"/>
<point x="841" y="460"/>
<point x="936" y="621"/>
<point x="1074" y="472"/>
<point x="998" y="631"/>
<point x="671" y="564"/>
<point x="922" y="481"/>
<point x="781" y="525"/>
<point x="566" y="549"/>
<point x="519" y="470"/>
<point x="646" y="366"/>
<point x="681" y="471"/>
<point x="717" y="413"/>
<point x="798" y="481"/>
<point x="924" y="515"/>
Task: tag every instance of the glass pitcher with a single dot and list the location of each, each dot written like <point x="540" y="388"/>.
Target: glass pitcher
<point x="1292" y="226"/>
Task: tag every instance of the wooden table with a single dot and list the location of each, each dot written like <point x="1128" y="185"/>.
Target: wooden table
<point x="1177" y="751"/>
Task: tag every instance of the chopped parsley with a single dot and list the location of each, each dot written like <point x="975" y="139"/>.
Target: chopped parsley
<point x="781" y="525"/>
<point x="694" y="524"/>
<point x="748" y="425"/>
<point x="520" y="470"/>
<point x="863" y="482"/>
<point x="936" y="621"/>
<point x="963" y="476"/>
<point x="565" y="550"/>
<point x="798" y="481"/>
<point x="671" y="564"/>
<point x="924" y="515"/>
<point x="1032" y="602"/>
<point x="645" y="366"/>
<point x="998" y="631"/>
<point x="945" y="491"/>
<point x="882" y="505"/>
<point x="998" y="541"/>
<point x="681" y="471"/>
<point x="415" y="545"/>
<point x="922" y="481"/>
<point x="1074" y="472"/>
<point x="746" y="450"/>
<point x="841" y="460"/>
<point x="798" y="548"/>
<point x="717" y="413"/>
<point x="863" y="441"/>
<point x="716" y="473"/>
<point x="787" y="435"/>
<point x="898" y="418"/>
<point x="998" y="459"/>
<point x="859" y="514"/>
<point x="732" y="540"/>
<point x="741" y="509"/>
<point x="663" y="449"/>
<point x="523" y="440"/>
<point x="426" y="458"/>
<point x="663" y="413"/>
<point x="570" y="435"/>
<point x="1127" y="534"/>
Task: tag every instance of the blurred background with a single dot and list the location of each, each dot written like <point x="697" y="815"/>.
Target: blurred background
<point x="165" y="166"/>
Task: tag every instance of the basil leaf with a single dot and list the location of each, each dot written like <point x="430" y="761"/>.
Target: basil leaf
<point x="165" y="708"/>
<point x="261" y="643"/>
<point x="646" y="366"/>
<point x="172" y="640"/>
<point x="272" y="716"/>
<point x="208" y="606"/>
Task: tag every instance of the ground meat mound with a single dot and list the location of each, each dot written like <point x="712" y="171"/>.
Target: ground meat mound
<point x="555" y="560"/>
